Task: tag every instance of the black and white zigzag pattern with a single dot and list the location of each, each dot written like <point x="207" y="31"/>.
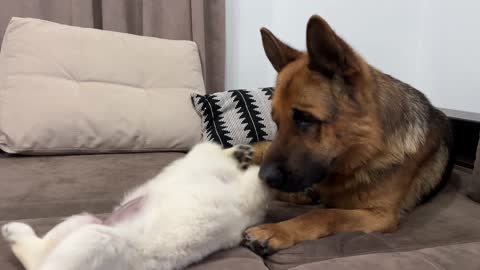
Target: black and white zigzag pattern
<point x="236" y="116"/>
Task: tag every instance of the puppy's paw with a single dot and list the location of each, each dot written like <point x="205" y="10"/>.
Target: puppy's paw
<point x="15" y="231"/>
<point x="243" y="154"/>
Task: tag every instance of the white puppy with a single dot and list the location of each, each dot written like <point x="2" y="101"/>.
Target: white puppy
<point x="199" y="204"/>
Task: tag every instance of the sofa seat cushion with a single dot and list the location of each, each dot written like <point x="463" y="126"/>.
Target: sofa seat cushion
<point x="39" y="190"/>
<point x="459" y="256"/>
<point x="39" y="187"/>
<point x="451" y="221"/>
<point x="443" y="234"/>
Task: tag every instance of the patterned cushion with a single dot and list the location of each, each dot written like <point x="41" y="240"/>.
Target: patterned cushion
<point x="236" y="116"/>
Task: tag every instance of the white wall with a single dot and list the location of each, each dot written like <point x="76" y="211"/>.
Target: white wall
<point x="246" y="64"/>
<point x="450" y="56"/>
<point x="432" y="44"/>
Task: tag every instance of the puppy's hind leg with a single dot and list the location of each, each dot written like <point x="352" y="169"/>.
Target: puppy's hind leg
<point x="32" y="250"/>
<point x="243" y="154"/>
<point x="93" y="247"/>
<point x="63" y="229"/>
<point x="25" y="244"/>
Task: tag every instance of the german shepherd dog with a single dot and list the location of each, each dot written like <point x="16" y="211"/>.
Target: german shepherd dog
<point x="370" y="146"/>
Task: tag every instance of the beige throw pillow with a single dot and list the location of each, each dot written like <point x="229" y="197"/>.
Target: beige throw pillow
<point x="67" y="89"/>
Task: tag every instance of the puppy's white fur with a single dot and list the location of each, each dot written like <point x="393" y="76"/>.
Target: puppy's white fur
<point x="197" y="205"/>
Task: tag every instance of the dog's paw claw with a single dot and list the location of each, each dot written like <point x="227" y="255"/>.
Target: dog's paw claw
<point x="261" y="248"/>
<point x="267" y="239"/>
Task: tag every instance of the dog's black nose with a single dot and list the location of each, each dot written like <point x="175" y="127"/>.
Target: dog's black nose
<point x="272" y="175"/>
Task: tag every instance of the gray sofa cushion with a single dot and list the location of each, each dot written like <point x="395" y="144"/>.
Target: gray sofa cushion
<point x="39" y="187"/>
<point x="460" y="256"/>
<point x="449" y="219"/>
<point x="45" y="188"/>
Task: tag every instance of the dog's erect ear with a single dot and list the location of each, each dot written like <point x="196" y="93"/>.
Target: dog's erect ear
<point x="279" y="53"/>
<point x="328" y="53"/>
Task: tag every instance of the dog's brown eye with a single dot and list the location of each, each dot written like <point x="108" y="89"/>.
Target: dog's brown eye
<point x="303" y="119"/>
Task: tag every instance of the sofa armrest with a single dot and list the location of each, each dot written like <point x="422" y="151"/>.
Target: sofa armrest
<point x="476" y="168"/>
<point x="474" y="189"/>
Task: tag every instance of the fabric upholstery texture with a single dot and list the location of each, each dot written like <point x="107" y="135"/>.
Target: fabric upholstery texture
<point x="35" y="187"/>
<point x="442" y="234"/>
<point x="66" y="89"/>
<point x="459" y="256"/>
<point x="201" y="21"/>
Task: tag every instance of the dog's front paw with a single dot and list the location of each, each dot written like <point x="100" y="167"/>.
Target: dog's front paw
<point x="14" y="231"/>
<point x="243" y="154"/>
<point x="267" y="239"/>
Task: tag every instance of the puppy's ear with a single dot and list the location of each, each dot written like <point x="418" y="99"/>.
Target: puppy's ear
<point x="328" y="53"/>
<point x="279" y="53"/>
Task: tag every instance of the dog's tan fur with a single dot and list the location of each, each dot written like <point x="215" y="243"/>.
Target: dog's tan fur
<point x="383" y="143"/>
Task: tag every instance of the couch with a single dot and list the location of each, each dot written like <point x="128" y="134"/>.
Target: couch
<point x="41" y="189"/>
<point x="442" y="234"/>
